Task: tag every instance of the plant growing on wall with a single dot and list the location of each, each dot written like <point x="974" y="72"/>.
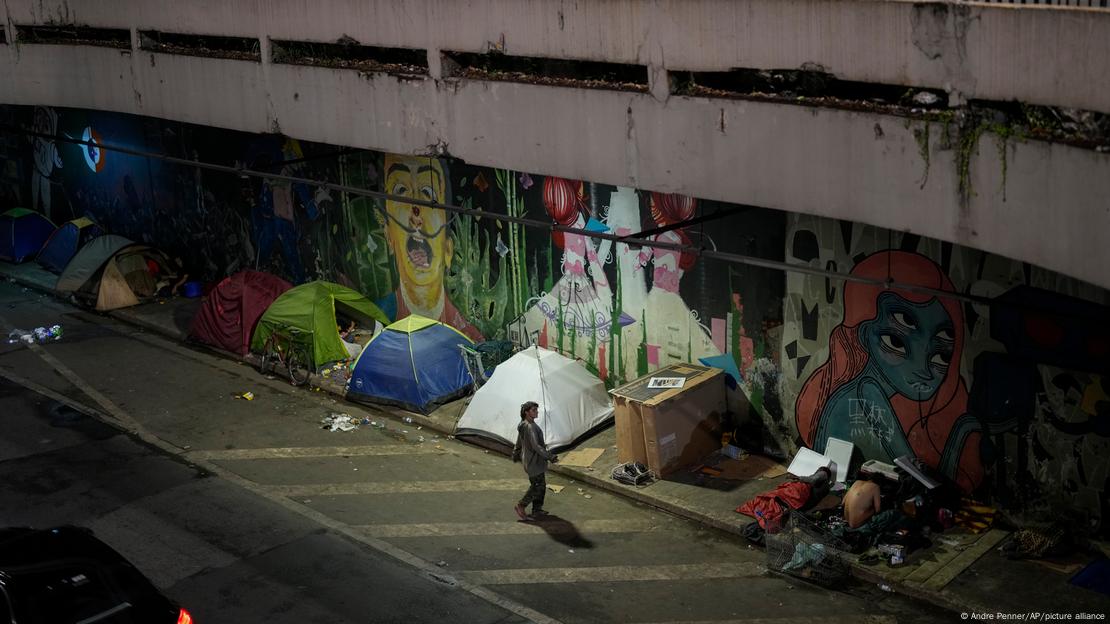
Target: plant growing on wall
<point x="516" y="265"/>
<point x="364" y="257"/>
<point x="483" y="299"/>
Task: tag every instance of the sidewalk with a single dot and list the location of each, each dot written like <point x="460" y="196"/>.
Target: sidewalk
<point x="963" y="573"/>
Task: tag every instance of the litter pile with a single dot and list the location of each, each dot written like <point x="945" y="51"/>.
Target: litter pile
<point x="341" y="422"/>
<point x="41" y="335"/>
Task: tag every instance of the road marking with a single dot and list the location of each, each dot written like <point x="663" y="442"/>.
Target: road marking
<point x="309" y="451"/>
<point x="850" y="619"/>
<point x="690" y="571"/>
<point x="427" y="569"/>
<point x="114" y="413"/>
<point x="396" y="487"/>
<point x="449" y="529"/>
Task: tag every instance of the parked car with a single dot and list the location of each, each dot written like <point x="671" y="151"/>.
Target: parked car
<point x="65" y="575"/>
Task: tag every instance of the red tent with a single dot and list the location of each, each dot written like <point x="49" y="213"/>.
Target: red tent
<point x="228" y="317"/>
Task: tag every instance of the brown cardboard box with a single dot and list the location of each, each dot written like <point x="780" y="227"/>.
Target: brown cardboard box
<point x="670" y="428"/>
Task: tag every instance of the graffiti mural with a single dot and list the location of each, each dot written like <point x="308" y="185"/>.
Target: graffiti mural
<point x="46" y="160"/>
<point x="889" y="385"/>
<point x="1000" y="390"/>
<point x="996" y="376"/>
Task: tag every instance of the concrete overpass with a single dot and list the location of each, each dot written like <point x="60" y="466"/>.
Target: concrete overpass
<point x="1046" y="203"/>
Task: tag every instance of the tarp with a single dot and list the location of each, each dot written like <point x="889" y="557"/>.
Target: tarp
<point x="311" y="309"/>
<point x="414" y="363"/>
<point x="89" y="260"/>
<point x="229" y="315"/>
<point x="65" y="241"/>
<point x="571" y="400"/>
<point x="22" y="234"/>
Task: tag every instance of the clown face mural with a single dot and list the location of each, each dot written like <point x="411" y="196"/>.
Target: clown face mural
<point x="419" y="241"/>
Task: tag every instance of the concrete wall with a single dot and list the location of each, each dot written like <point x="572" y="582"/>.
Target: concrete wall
<point x="856" y="166"/>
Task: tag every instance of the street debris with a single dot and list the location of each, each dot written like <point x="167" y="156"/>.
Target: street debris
<point x="41" y="335"/>
<point x="339" y="422"/>
<point x="555" y="488"/>
<point x="249" y="396"/>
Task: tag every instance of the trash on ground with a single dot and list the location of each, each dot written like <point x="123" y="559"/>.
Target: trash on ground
<point x="249" y="396"/>
<point x="555" y="488"/>
<point x="41" y="335"/>
<point x="633" y="473"/>
<point x="339" y="422"/>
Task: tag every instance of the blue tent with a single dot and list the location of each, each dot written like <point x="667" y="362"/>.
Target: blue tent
<point x="22" y="234"/>
<point x="65" y="241"/>
<point x="414" y="363"/>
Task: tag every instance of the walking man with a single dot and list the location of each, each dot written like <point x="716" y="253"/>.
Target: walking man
<point x="531" y="450"/>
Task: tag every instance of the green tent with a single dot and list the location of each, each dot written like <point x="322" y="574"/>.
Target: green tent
<point x="311" y="308"/>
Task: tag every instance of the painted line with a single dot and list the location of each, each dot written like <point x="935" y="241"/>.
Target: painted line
<point x="310" y="452"/>
<point x="116" y="414"/>
<point x="396" y="487"/>
<point x="691" y="571"/>
<point x="452" y="529"/>
<point x="425" y="568"/>
<point x="850" y="619"/>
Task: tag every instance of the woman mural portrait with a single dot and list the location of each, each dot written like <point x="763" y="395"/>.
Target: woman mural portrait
<point x="892" y="383"/>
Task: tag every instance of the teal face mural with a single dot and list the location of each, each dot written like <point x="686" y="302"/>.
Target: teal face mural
<point x="910" y="345"/>
<point x="1006" y="396"/>
<point x="888" y="385"/>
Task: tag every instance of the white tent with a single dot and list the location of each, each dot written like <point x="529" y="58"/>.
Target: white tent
<point x="571" y="400"/>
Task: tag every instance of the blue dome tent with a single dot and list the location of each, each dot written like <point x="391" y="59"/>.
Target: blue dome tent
<point x="22" y="234"/>
<point x="65" y="241"/>
<point x="415" y="363"/>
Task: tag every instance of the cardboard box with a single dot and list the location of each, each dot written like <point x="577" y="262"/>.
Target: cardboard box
<point x="670" y="428"/>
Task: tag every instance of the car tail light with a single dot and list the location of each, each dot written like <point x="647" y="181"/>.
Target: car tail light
<point x="184" y="618"/>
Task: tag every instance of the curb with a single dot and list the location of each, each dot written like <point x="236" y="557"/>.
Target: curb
<point x="859" y="572"/>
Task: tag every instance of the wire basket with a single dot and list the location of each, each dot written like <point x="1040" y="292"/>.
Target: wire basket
<point x="804" y="550"/>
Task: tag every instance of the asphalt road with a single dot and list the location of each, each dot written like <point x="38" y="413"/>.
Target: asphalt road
<point x="248" y="511"/>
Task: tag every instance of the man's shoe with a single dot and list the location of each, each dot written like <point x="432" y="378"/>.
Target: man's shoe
<point x="539" y="513"/>
<point x="519" y="509"/>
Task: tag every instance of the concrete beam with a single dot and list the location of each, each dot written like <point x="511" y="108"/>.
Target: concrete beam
<point x="1057" y="56"/>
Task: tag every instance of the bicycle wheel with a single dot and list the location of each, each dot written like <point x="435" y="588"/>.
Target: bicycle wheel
<point x="268" y="353"/>
<point x="299" y="365"/>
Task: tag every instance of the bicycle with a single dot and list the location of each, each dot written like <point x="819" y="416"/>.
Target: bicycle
<point x="289" y="347"/>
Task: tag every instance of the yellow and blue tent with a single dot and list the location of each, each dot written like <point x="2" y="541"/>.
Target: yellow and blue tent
<point x="415" y="363"/>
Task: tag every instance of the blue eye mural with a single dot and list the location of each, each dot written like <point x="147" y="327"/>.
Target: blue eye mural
<point x="94" y="156"/>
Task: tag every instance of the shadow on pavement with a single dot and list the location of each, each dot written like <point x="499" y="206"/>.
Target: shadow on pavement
<point x="562" y="531"/>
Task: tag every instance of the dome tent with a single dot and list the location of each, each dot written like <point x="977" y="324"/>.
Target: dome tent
<point x="22" y="234"/>
<point x="572" y="401"/>
<point x="111" y="272"/>
<point x="65" y="242"/>
<point x="415" y="363"/>
<point x="311" y="308"/>
<point x="229" y="315"/>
